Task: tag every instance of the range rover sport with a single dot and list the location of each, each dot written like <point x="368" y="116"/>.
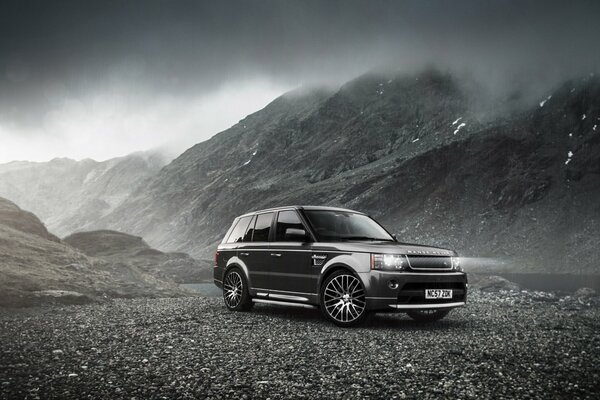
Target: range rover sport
<point x="338" y="260"/>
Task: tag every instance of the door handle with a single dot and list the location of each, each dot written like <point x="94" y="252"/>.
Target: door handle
<point x="244" y="254"/>
<point x="275" y="254"/>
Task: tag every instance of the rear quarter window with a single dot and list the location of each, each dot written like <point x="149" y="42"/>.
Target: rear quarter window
<point x="237" y="234"/>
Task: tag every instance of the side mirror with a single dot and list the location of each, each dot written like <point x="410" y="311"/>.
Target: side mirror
<point x="296" y="235"/>
<point x="395" y="237"/>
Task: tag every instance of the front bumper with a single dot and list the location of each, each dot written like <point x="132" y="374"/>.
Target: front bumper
<point x="410" y="291"/>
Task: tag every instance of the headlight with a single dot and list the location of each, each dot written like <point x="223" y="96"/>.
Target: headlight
<point x="456" y="264"/>
<point x="392" y="262"/>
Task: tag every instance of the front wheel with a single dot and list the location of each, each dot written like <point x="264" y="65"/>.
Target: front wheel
<point x="235" y="291"/>
<point x="429" y="315"/>
<point x="343" y="299"/>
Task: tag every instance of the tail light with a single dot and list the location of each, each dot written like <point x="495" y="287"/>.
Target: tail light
<point x="216" y="257"/>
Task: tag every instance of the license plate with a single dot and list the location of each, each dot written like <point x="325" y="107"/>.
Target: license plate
<point x="438" y="293"/>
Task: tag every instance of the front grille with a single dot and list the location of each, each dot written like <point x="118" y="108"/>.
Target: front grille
<point x="414" y="292"/>
<point x="429" y="263"/>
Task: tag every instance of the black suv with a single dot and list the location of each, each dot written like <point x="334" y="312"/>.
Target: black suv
<point x="340" y="260"/>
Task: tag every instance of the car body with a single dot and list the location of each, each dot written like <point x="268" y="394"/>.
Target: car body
<point x="304" y="255"/>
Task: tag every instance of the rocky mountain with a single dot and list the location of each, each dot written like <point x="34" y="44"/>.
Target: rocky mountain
<point x="118" y="247"/>
<point x="71" y="195"/>
<point x="37" y="267"/>
<point x="299" y="140"/>
<point x="420" y="153"/>
<point x="510" y="183"/>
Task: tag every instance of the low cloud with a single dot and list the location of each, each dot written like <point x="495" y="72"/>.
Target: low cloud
<point x="96" y="80"/>
<point x="109" y="124"/>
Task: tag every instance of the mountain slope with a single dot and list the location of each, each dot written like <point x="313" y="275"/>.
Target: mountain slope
<point x="36" y="265"/>
<point x="503" y="187"/>
<point x="70" y="195"/>
<point x="429" y="155"/>
<point x="296" y="141"/>
<point x="119" y="247"/>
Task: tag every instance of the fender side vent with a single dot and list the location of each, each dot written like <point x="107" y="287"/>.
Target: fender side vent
<point x="318" y="259"/>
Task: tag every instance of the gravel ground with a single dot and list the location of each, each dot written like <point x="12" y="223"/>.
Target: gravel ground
<point x="506" y="345"/>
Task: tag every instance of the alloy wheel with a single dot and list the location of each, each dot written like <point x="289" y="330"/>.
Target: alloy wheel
<point x="344" y="298"/>
<point x="233" y="287"/>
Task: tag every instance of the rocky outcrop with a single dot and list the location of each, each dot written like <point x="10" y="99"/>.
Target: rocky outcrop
<point x="38" y="268"/>
<point x="113" y="246"/>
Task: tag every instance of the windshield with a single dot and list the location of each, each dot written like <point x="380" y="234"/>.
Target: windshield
<point x="332" y="226"/>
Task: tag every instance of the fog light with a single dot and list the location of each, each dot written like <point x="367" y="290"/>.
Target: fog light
<point x="393" y="284"/>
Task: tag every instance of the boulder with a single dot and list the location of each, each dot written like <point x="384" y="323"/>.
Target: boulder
<point x="585" y="292"/>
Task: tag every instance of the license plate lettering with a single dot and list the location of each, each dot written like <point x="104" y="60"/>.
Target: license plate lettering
<point x="438" y="293"/>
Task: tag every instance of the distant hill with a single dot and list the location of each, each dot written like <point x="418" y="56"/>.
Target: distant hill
<point x="12" y="217"/>
<point x="115" y="246"/>
<point x="36" y="267"/>
<point x="71" y="195"/>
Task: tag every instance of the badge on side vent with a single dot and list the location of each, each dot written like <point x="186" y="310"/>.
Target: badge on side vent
<point x="318" y="259"/>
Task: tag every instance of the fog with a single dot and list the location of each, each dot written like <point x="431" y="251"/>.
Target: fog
<point x="103" y="79"/>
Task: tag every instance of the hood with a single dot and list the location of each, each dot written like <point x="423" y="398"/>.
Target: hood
<point x="383" y="247"/>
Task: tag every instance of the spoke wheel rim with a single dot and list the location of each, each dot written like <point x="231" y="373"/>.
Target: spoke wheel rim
<point x="344" y="298"/>
<point x="232" y="289"/>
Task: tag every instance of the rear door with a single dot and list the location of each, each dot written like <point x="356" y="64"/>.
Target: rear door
<point x="255" y="250"/>
<point x="293" y="276"/>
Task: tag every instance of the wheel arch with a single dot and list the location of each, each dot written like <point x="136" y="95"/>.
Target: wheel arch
<point x="331" y="269"/>
<point x="235" y="262"/>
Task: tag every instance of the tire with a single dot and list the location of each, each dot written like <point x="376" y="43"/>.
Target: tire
<point x="235" y="291"/>
<point x="429" y="315"/>
<point x="343" y="300"/>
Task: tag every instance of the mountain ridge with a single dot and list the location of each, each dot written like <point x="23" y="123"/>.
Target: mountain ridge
<point x="422" y="153"/>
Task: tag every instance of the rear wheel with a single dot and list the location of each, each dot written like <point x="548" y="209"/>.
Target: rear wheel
<point x="343" y="299"/>
<point x="235" y="291"/>
<point x="428" y="315"/>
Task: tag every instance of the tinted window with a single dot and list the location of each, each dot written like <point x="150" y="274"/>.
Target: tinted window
<point x="287" y="220"/>
<point x="237" y="234"/>
<point x="250" y="231"/>
<point x="262" y="228"/>
<point x="341" y="225"/>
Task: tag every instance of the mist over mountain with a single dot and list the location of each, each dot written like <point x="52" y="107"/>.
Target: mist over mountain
<point x="71" y="195"/>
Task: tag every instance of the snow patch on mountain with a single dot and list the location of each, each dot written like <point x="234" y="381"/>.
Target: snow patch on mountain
<point x="462" y="124"/>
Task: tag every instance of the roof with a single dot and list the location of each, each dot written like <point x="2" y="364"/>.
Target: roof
<point x="298" y="207"/>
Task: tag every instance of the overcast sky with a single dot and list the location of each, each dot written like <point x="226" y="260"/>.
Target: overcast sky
<point x="104" y="79"/>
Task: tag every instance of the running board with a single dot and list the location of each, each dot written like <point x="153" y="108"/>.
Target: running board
<point x="427" y="306"/>
<point x="283" y="303"/>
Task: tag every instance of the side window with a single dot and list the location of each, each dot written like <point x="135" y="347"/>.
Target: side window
<point x="237" y="234"/>
<point x="287" y="220"/>
<point x="262" y="228"/>
<point x="250" y="231"/>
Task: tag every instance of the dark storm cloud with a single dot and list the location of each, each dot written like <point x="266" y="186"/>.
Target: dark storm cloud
<point x="51" y="51"/>
<point x="170" y="44"/>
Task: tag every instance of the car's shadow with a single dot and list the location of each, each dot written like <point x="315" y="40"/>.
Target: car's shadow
<point x="373" y="321"/>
